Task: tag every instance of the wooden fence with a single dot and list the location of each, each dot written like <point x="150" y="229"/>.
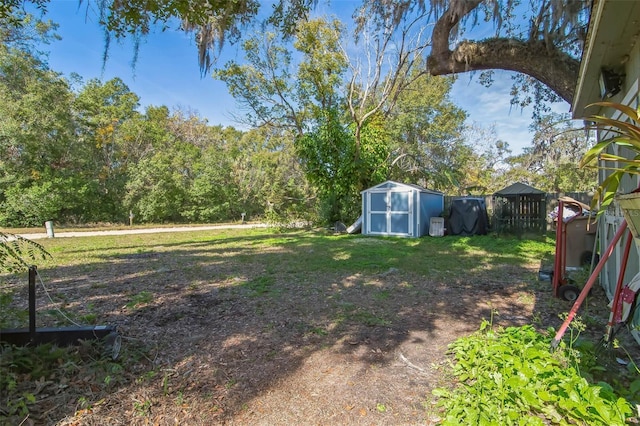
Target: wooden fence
<point x="522" y="214"/>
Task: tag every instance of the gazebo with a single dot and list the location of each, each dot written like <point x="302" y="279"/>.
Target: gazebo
<point x="520" y="208"/>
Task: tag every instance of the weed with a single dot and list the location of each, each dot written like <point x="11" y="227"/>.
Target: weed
<point x="382" y="295"/>
<point x="179" y="398"/>
<point x="143" y="408"/>
<point x="141" y="298"/>
<point x="261" y="285"/>
<point x="83" y="403"/>
<point x="508" y="376"/>
<point x="536" y="319"/>
<point x="90" y="317"/>
<point x="147" y="376"/>
<point x="165" y="384"/>
<point x="319" y="331"/>
<point x="369" y="319"/>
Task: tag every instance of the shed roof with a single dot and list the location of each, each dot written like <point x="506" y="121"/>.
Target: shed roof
<point x="399" y="184"/>
<point x="519" y="188"/>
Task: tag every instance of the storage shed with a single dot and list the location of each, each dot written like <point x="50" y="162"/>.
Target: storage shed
<point x="520" y="208"/>
<point x="399" y="209"/>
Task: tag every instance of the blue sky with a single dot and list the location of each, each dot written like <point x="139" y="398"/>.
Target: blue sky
<point x="167" y="73"/>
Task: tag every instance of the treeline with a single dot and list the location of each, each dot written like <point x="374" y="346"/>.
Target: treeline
<point x="82" y="152"/>
<point x="89" y="156"/>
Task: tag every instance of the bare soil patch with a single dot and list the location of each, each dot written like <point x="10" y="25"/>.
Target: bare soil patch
<point x="246" y="333"/>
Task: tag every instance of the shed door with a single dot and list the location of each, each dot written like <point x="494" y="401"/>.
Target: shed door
<point x="390" y="212"/>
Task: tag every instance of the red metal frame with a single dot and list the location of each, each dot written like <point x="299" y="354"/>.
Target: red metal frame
<point x="617" y="295"/>
<point x="560" y="261"/>
<point x="592" y="279"/>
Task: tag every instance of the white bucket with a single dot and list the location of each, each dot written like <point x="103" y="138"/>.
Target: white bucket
<point x="49" y="227"/>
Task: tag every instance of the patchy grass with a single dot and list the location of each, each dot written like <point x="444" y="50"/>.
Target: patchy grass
<point x="250" y="326"/>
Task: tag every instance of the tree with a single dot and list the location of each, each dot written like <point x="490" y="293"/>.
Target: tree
<point x="541" y="39"/>
<point x="545" y="45"/>
<point x="211" y="21"/>
<point x="552" y="163"/>
<point x="485" y="169"/>
<point x="101" y="108"/>
<point x="426" y="128"/>
<point x="336" y="104"/>
<point x="296" y="88"/>
<point x="326" y="153"/>
<point x="157" y="189"/>
<point x="393" y="61"/>
<point x="38" y="151"/>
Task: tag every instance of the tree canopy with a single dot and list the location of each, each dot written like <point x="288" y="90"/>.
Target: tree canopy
<point x="85" y="153"/>
<point x="332" y="112"/>
<point x="541" y="39"/>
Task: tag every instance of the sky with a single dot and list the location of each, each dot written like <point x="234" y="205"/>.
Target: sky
<point x="167" y="73"/>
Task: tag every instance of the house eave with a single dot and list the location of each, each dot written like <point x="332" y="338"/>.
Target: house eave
<point x="614" y="28"/>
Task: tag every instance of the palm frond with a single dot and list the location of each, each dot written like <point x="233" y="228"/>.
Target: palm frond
<point x="626" y="134"/>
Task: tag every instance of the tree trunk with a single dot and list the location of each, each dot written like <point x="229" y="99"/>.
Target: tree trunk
<point x="556" y="69"/>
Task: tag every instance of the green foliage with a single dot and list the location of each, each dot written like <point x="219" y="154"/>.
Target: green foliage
<point x="328" y="156"/>
<point x="625" y="140"/>
<point x="320" y="74"/>
<point x="426" y="134"/>
<point x="37" y="362"/>
<point x="141" y="298"/>
<point x="510" y="377"/>
<point x="58" y="156"/>
<point x="31" y="371"/>
<point x="22" y="31"/>
<point x="91" y="157"/>
<point x="551" y="163"/>
<point x="157" y="189"/>
<point x="17" y="253"/>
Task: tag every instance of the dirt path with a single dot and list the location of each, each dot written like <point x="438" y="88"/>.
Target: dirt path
<point x="68" y="234"/>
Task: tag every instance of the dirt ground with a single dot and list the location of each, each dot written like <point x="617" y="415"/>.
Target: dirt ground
<point x="279" y="353"/>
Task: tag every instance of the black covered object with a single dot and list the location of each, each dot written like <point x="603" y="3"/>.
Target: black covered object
<point x="468" y="216"/>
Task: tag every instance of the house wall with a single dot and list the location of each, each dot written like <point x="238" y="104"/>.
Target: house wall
<point x="612" y="219"/>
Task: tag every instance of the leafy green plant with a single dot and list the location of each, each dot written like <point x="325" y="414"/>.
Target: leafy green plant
<point x="143" y="408"/>
<point x="16" y="252"/>
<point x="141" y="298"/>
<point x="626" y="134"/>
<point x="509" y="377"/>
<point x="10" y="316"/>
